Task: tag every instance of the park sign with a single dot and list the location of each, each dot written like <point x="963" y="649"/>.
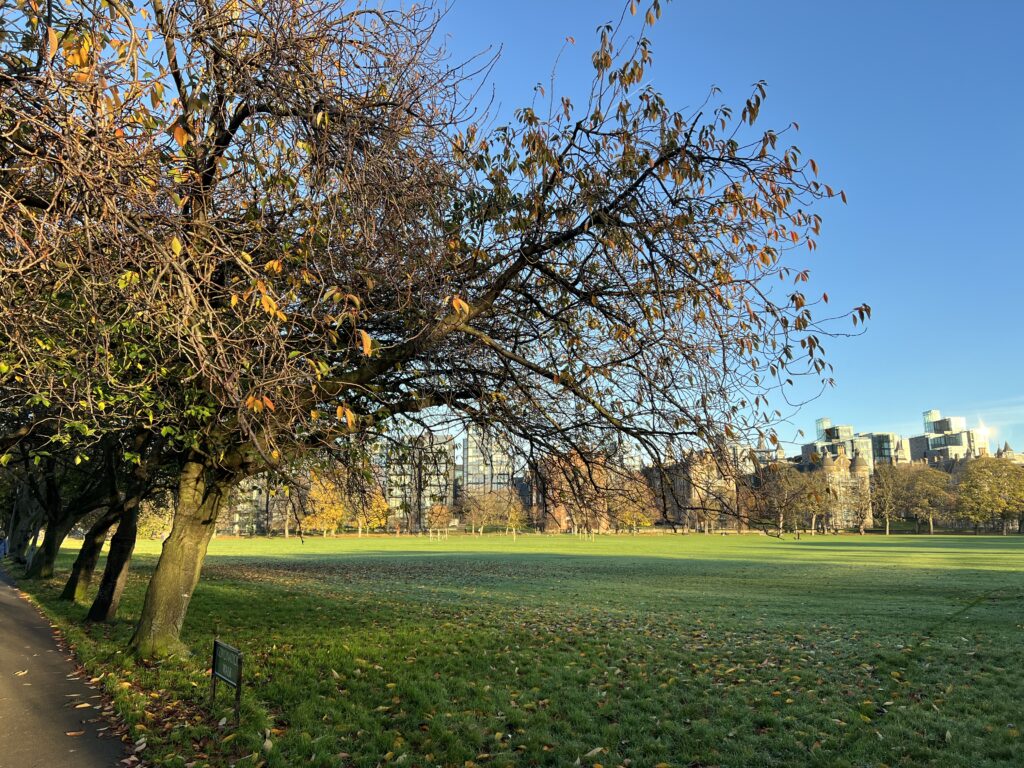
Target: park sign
<point x="227" y="666"/>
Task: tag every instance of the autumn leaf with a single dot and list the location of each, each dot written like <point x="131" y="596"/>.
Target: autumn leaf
<point x="460" y="306"/>
<point x="74" y="733"/>
<point x="366" y="342"/>
<point x="180" y="135"/>
<point x="176" y="245"/>
<point x="51" y="43"/>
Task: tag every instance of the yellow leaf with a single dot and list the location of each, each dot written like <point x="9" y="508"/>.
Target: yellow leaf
<point x="366" y="341"/>
<point x="269" y="403"/>
<point x="460" y="306"/>
<point x="51" y="43"/>
<point x="176" y="245"/>
<point x="347" y="415"/>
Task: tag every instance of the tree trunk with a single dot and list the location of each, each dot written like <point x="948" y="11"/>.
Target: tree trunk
<point x="115" y="574"/>
<point x="181" y="561"/>
<point x="931" y="525"/>
<point x="1020" y="523"/>
<point x="814" y="524"/>
<point x="44" y="559"/>
<point x="1006" y="525"/>
<point x="85" y="564"/>
<point x="886" y="525"/>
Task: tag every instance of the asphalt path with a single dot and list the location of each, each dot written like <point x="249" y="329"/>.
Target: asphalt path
<point x="49" y="716"/>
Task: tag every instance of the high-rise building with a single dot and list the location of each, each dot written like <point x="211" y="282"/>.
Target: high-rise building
<point x="947" y="439"/>
<point x="486" y="465"/>
<point x="420" y="472"/>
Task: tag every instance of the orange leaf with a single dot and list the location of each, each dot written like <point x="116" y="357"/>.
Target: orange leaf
<point x="180" y="135"/>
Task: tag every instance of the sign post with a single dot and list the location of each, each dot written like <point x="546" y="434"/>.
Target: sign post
<point x="227" y="666"/>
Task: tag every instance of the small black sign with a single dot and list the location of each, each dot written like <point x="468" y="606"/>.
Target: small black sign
<point x="227" y="666"/>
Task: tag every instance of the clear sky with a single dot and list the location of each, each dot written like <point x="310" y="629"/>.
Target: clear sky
<point x="915" y="108"/>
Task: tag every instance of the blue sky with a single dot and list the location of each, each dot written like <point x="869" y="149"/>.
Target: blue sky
<point x="915" y="109"/>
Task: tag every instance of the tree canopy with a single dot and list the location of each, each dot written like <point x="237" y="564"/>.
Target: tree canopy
<point x="254" y="226"/>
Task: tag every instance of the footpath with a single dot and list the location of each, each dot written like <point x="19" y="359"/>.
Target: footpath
<point x="49" y="716"/>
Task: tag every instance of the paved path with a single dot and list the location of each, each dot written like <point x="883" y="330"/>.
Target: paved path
<point x="40" y="694"/>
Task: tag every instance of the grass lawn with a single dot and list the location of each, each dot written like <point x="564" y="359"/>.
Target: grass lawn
<point x="634" y="651"/>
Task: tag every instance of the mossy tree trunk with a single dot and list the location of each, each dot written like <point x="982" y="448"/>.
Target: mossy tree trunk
<point x="181" y="561"/>
<point x="89" y="555"/>
<point x="119" y="558"/>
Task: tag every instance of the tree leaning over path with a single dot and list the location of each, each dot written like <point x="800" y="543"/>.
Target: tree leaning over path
<point x="253" y="227"/>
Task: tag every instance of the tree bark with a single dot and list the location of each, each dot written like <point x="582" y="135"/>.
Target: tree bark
<point x="181" y="561"/>
<point x="89" y="555"/>
<point x="46" y="556"/>
<point x="886" y="525"/>
<point x="931" y="525"/>
<point x="115" y="574"/>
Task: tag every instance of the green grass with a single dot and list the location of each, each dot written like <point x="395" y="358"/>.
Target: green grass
<point x="683" y="650"/>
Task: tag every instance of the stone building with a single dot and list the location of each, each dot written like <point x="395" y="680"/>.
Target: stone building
<point x="849" y="488"/>
<point x="1006" y="453"/>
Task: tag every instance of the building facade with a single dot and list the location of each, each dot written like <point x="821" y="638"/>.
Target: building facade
<point x="946" y="440"/>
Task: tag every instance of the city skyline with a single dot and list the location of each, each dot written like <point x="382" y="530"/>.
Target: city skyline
<point x="884" y="95"/>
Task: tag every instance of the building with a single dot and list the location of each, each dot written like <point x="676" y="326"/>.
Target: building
<point x="420" y="471"/>
<point x="889" y="448"/>
<point x="1008" y="454"/>
<point x="849" y="490"/>
<point x="836" y="440"/>
<point x="947" y="439"/>
<point x="485" y="465"/>
<point x="873" y="447"/>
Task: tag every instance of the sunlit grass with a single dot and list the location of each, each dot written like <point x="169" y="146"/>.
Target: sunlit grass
<point x="684" y="650"/>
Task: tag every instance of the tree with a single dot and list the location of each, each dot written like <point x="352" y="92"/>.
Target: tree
<point x="327" y="506"/>
<point x="439" y="517"/>
<point x="990" y="488"/>
<point x="480" y="509"/>
<point x="516" y="519"/>
<point x="787" y="498"/>
<point x="632" y="504"/>
<point x="889" y="488"/>
<point x="929" y="494"/>
<point x="368" y="509"/>
<point x="253" y="229"/>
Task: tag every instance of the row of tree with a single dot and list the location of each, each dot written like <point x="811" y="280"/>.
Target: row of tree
<point x="981" y="492"/>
